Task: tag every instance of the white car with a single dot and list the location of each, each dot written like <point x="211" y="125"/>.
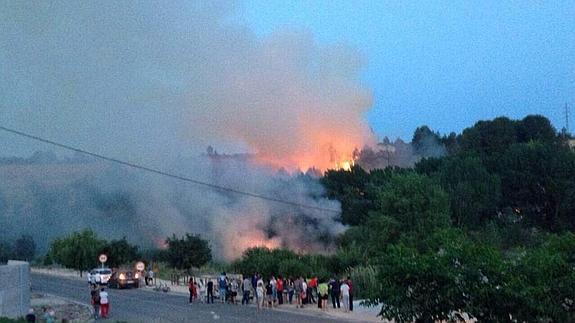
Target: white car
<point x="99" y="276"/>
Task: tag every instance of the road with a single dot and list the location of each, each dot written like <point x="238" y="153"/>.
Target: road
<point x="137" y="305"/>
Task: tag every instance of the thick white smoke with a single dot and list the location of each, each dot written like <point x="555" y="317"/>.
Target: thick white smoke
<point x="155" y="83"/>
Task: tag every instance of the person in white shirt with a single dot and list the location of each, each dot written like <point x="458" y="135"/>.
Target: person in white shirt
<point x="104" y="303"/>
<point x="344" y="288"/>
<point x="202" y="288"/>
<point x="260" y="293"/>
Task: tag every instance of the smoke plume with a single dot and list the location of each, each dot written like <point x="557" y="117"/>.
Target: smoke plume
<point x="155" y="83"/>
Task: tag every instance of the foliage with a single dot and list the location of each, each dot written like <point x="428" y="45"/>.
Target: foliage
<point x="349" y="188"/>
<point x="187" y="252"/>
<point x="10" y="320"/>
<point x="78" y="250"/>
<point x="24" y="248"/>
<point x="415" y="203"/>
<point x="538" y="183"/>
<point x="451" y="274"/>
<point x="543" y="279"/>
<point x="119" y="252"/>
<point x="5" y="251"/>
<point x="365" y="282"/>
<point x="287" y="263"/>
<point x="474" y="193"/>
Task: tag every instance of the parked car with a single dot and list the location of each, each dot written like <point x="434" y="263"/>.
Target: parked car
<point x="124" y="279"/>
<point x="99" y="276"/>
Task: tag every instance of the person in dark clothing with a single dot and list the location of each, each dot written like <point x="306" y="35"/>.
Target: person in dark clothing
<point x="95" y="301"/>
<point x="31" y="317"/>
<point x="210" y="291"/>
<point x="350" y="293"/>
<point x="269" y="294"/>
<point x="335" y="292"/>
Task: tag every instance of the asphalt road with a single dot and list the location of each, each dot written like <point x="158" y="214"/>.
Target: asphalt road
<point x="136" y="305"/>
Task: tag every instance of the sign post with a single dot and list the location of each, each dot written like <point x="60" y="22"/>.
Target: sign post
<point x="103" y="258"/>
<point x="140" y="266"/>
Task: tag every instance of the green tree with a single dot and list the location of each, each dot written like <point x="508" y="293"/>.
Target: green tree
<point x="474" y="193"/>
<point x="188" y="251"/>
<point x="543" y="280"/>
<point x="538" y="183"/>
<point x="349" y="188"/>
<point x="5" y="251"/>
<point x="536" y="128"/>
<point x="489" y="137"/>
<point x="24" y="248"/>
<point x="78" y="250"/>
<point x="417" y="204"/>
<point x="120" y="252"/>
<point x="451" y="274"/>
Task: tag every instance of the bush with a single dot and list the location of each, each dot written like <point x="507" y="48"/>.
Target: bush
<point x="365" y="284"/>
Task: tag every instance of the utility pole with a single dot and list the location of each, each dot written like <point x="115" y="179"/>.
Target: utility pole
<point x="567" y="118"/>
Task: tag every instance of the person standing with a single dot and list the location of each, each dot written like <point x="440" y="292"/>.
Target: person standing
<point x="322" y="291"/>
<point x="335" y="292"/>
<point x="223" y="286"/>
<point x="298" y="291"/>
<point x="311" y="288"/>
<point x="273" y="282"/>
<point x="344" y="288"/>
<point x="233" y="291"/>
<point x="260" y="293"/>
<point x="151" y="276"/>
<point x="104" y="303"/>
<point x="191" y="290"/>
<point x="95" y="301"/>
<point x="350" y="284"/>
<point x="202" y="290"/>
<point x="246" y="288"/>
<point x="210" y="296"/>
<point x="280" y="290"/>
<point x="304" y="296"/>
<point x="291" y="289"/>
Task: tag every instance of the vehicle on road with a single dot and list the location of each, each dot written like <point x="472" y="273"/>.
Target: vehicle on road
<point x="124" y="279"/>
<point x="99" y="276"/>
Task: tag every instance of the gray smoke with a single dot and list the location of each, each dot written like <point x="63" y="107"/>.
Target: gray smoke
<point x="155" y="83"/>
<point x="47" y="197"/>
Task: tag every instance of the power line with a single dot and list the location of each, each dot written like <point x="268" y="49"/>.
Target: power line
<point x="163" y="173"/>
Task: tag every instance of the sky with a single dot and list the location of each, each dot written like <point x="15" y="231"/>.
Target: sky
<point x="446" y="64"/>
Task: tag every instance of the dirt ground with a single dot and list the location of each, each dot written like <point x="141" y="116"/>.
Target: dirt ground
<point x="64" y="309"/>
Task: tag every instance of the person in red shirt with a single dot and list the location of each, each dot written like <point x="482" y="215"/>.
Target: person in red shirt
<point x="312" y="288"/>
<point x="280" y="290"/>
<point x="191" y="289"/>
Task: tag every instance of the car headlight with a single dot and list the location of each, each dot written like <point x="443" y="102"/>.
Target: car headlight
<point x="122" y="276"/>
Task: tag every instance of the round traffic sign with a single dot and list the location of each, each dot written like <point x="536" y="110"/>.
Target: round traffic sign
<point x="103" y="258"/>
<point x="140" y="266"/>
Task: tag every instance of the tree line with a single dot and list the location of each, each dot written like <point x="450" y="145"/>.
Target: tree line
<point x="486" y="229"/>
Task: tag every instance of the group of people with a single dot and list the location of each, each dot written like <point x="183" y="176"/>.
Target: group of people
<point x="48" y="315"/>
<point x="203" y="290"/>
<point x="100" y="301"/>
<point x="274" y="291"/>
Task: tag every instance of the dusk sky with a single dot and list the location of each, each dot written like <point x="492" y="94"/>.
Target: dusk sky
<point x="446" y="64"/>
<point x="284" y="79"/>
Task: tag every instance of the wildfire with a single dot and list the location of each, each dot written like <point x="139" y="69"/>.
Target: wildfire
<point x="252" y="239"/>
<point x="345" y="165"/>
